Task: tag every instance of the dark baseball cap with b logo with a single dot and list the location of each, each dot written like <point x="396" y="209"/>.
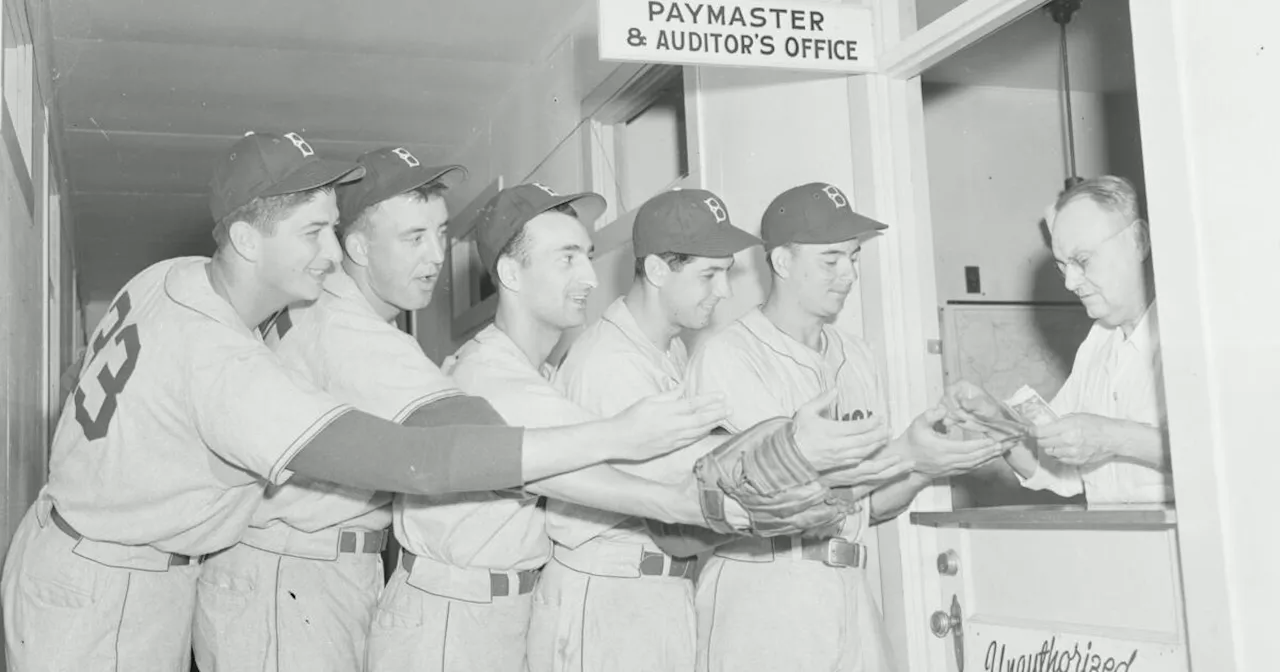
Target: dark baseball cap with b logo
<point x="507" y="212"/>
<point x="815" y="214"/>
<point x="687" y="221"/>
<point x="265" y="164"/>
<point x="389" y="172"/>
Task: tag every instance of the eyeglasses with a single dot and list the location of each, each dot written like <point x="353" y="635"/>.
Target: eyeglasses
<point x="1080" y="260"/>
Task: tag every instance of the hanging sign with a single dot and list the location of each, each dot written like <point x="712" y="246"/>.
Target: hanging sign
<point x="786" y="34"/>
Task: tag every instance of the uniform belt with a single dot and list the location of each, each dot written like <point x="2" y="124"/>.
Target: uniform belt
<point x="655" y="564"/>
<point x="499" y="582"/>
<point x="326" y="544"/>
<point x="175" y="560"/>
<point x="626" y="561"/>
<point x="363" y="542"/>
<point x="836" y="552"/>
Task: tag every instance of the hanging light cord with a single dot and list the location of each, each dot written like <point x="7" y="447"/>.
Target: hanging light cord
<point x="1066" y="93"/>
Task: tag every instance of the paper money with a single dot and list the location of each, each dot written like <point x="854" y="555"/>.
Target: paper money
<point x="1030" y="407"/>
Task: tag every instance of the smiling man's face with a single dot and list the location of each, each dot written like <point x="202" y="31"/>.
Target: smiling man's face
<point x="557" y="276"/>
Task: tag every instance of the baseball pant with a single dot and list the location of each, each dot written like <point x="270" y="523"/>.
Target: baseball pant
<point x="262" y="611"/>
<point x="416" y="631"/>
<point x="788" y="614"/>
<point x="588" y="619"/>
<point x="65" y="611"/>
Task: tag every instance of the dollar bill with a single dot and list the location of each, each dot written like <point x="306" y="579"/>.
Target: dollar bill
<point x="1028" y="406"/>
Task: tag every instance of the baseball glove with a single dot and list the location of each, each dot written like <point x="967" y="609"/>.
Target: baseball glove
<point x="764" y="471"/>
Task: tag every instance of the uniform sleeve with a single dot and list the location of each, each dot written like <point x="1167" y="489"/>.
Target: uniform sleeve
<point x="1055" y="477"/>
<point x="526" y="401"/>
<point x="379" y="369"/>
<point x="730" y="372"/>
<point x="254" y="412"/>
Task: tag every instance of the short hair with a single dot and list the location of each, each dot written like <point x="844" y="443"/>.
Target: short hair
<point x="1113" y="193"/>
<point x="264" y="212"/>
<point x="364" y="221"/>
<point x="675" y="260"/>
<point x="518" y="246"/>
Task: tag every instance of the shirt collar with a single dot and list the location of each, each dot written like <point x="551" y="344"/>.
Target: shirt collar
<point x="494" y="342"/>
<point x="342" y="286"/>
<point x="621" y="316"/>
<point x="187" y="283"/>
<point x="768" y="332"/>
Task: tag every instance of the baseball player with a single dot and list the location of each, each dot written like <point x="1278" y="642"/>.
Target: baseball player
<point x="182" y="416"/>
<point x="535" y="244"/>
<point x="299" y="590"/>
<point x="640" y="604"/>
<point x="795" y="602"/>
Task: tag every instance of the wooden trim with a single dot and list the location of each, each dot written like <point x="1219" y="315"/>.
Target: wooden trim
<point x="899" y="294"/>
<point x="1204" y="523"/>
<point x="950" y="33"/>
<point x="21" y="172"/>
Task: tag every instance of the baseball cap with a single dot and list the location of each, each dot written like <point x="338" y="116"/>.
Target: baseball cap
<point x="507" y="212"/>
<point x="814" y="213"/>
<point x="688" y="221"/>
<point x="265" y="164"/>
<point x="388" y="172"/>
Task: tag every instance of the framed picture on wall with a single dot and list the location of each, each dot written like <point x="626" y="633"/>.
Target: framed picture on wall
<point x="473" y="296"/>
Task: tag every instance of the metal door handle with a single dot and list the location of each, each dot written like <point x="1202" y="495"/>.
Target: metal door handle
<point x="942" y="623"/>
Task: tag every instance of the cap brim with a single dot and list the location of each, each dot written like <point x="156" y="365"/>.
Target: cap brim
<point x="446" y="176"/>
<point x="724" y="242"/>
<point x="589" y="206"/>
<point x="861" y="228"/>
<point x="316" y="174"/>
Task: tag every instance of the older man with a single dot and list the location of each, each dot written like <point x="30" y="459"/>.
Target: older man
<point x="1111" y="441"/>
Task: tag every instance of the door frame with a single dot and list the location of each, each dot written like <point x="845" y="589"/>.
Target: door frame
<point x="900" y="294"/>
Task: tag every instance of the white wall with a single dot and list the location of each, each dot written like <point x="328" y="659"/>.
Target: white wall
<point x="1209" y="133"/>
<point x="532" y="135"/>
<point x="997" y="157"/>
<point x="798" y="131"/>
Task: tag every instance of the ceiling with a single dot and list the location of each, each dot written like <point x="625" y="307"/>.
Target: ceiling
<point x="150" y="91"/>
<point x="1025" y="54"/>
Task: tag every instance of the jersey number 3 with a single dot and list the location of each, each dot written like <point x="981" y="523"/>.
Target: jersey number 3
<point x="112" y="382"/>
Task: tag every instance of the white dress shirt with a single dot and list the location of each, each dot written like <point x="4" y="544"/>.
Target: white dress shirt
<point x="1114" y="377"/>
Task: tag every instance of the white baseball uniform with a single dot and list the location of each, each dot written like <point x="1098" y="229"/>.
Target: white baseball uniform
<point x="300" y="589"/>
<point x="777" y="604"/>
<point x="464" y="603"/>
<point x="1115" y="377"/>
<point x="161" y="456"/>
<point x="610" y="602"/>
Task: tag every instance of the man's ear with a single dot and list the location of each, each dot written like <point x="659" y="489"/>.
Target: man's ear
<point x="508" y="271"/>
<point x="656" y="271"/>
<point x="356" y="245"/>
<point x="1142" y="238"/>
<point x="780" y="258"/>
<point x="246" y="240"/>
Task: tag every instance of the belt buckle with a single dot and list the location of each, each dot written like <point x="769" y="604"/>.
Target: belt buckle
<point x="842" y="553"/>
